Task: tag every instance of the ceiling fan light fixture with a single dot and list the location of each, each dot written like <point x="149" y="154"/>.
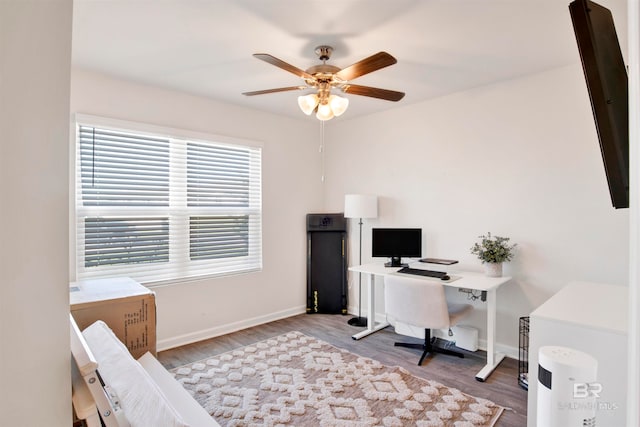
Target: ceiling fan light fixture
<point x="325" y="77"/>
<point x="308" y="103"/>
<point x="324" y="112"/>
<point x="338" y="104"/>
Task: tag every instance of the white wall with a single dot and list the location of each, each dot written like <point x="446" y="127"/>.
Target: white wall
<point x="633" y="356"/>
<point x="535" y="136"/>
<point x="35" y="58"/>
<point x="518" y="159"/>
<point x="291" y="188"/>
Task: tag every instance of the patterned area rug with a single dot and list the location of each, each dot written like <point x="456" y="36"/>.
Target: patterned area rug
<point x="296" y="380"/>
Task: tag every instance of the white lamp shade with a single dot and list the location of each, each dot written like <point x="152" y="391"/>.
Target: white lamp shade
<point x="308" y="103"/>
<point x="360" y="206"/>
<point x="324" y="112"/>
<point x="338" y="104"/>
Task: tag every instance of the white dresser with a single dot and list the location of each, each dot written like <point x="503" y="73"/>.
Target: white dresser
<point x="592" y="318"/>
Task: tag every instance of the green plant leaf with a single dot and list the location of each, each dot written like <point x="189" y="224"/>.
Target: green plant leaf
<point x="493" y="248"/>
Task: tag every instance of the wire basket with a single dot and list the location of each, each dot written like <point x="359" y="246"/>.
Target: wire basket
<point x="523" y="358"/>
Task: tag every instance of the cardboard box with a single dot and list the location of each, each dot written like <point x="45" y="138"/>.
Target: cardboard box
<point x="122" y="303"/>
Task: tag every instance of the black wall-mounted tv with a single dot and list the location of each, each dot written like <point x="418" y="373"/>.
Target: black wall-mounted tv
<point x="606" y="76"/>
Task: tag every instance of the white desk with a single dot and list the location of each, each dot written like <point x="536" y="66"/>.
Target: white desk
<point x="463" y="279"/>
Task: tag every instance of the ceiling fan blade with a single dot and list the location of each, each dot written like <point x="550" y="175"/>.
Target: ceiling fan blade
<point x="366" y="66"/>
<point x="280" y="89"/>
<point x="285" y="66"/>
<point x="374" y="92"/>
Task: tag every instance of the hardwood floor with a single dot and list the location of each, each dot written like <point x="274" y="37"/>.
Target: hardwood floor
<point x="501" y="387"/>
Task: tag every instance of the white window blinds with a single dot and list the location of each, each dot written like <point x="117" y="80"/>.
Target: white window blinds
<point x="161" y="208"/>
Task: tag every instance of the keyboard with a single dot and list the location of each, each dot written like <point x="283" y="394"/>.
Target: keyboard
<point x="427" y="273"/>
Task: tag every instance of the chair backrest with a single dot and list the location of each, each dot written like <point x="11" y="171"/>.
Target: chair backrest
<point x="416" y="301"/>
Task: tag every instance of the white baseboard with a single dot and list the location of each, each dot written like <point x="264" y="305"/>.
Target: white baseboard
<point x="228" y="328"/>
<point x="353" y="311"/>
<point x="177" y="341"/>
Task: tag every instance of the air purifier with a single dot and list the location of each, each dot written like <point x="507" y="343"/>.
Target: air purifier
<point x="567" y="388"/>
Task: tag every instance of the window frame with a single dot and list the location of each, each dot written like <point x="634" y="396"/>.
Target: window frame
<point x="176" y="136"/>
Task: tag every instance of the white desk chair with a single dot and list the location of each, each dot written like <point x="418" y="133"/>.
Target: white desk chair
<point x="414" y="306"/>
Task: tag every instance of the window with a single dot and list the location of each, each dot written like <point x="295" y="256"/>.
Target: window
<point x="161" y="208"/>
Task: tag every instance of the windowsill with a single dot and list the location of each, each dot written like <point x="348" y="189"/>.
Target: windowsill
<point x="194" y="280"/>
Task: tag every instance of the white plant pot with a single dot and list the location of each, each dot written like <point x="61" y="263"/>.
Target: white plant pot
<point x="493" y="269"/>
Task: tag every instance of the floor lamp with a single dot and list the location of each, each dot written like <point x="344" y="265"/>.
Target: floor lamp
<point x="360" y="206"/>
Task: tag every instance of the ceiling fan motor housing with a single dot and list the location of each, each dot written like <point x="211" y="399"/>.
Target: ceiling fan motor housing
<point x="322" y="73"/>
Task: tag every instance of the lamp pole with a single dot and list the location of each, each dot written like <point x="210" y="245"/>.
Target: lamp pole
<point x="359" y="321"/>
<point x="360" y="206"/>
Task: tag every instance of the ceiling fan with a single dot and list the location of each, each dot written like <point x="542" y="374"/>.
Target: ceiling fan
<point x="324" y="77"/>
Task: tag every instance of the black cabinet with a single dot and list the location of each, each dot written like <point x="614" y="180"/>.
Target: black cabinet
<point x="326" y="263"/>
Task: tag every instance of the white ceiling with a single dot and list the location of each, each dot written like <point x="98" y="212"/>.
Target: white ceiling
<point x="204" y="47"/>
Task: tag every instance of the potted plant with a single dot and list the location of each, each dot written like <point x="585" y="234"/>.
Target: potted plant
<point x="493" y="251"/>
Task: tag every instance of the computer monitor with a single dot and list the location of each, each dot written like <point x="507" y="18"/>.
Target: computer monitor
<point x="396" y="243"/>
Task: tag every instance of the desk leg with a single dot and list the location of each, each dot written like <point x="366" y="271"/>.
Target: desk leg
<point x="493" y="358"/>
<point x="372" y="326"/>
